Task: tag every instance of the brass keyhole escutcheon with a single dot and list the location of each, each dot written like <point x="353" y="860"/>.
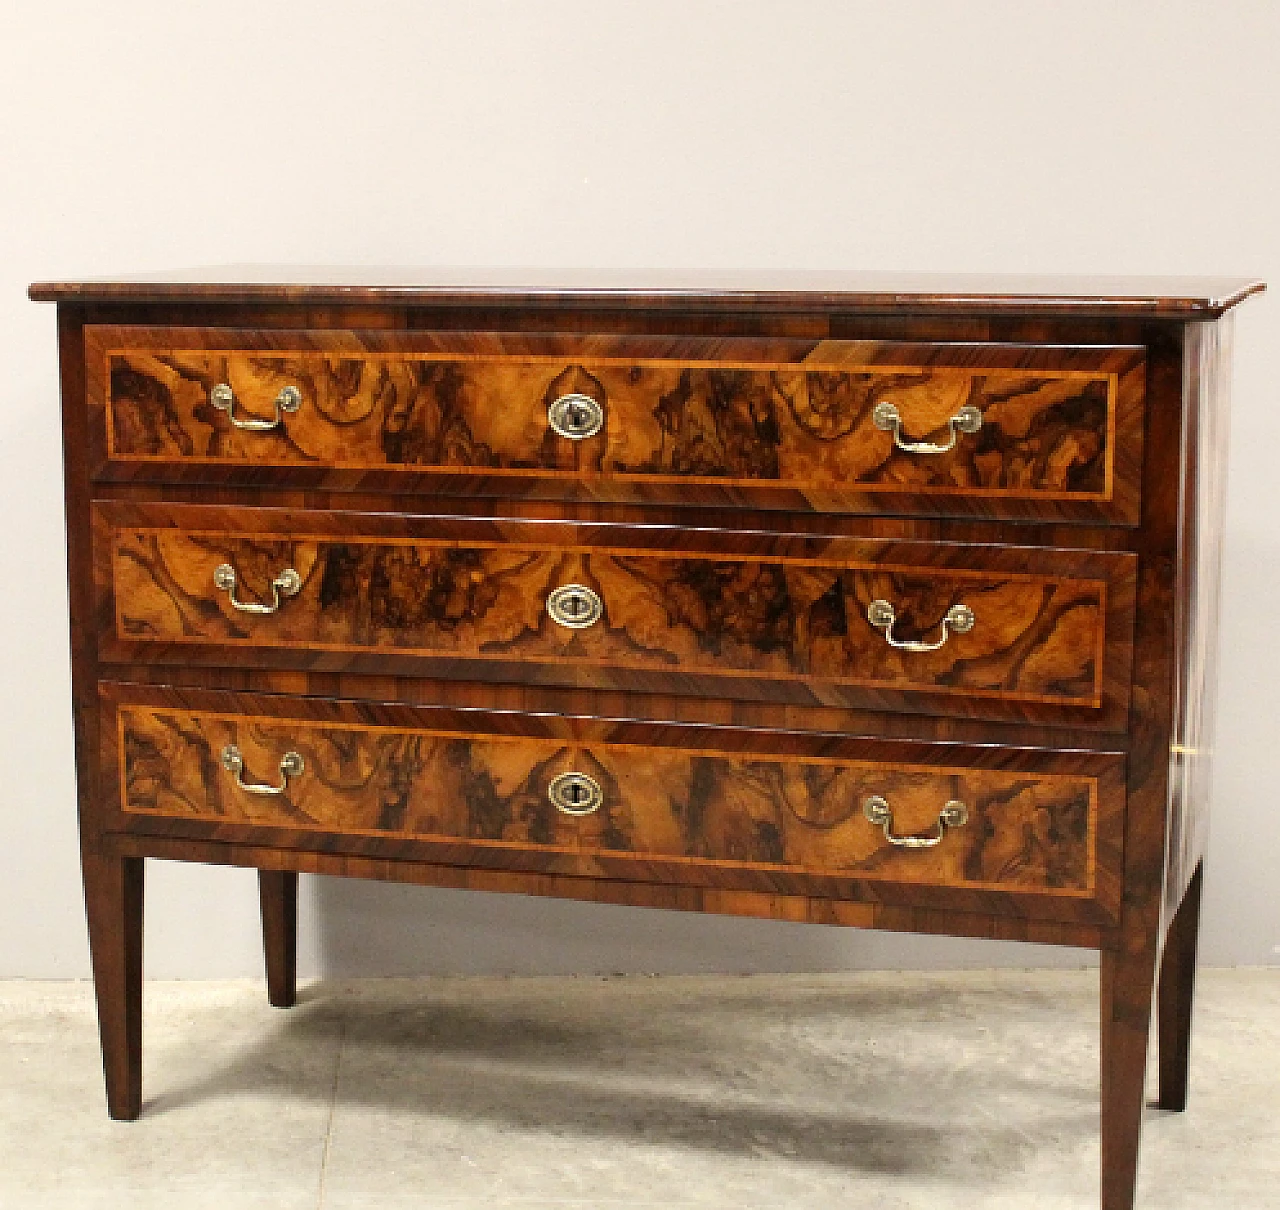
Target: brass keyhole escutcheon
<point x="576" y="417"/>
<point x="575" y="794"/>
<point x="575" y="606"/>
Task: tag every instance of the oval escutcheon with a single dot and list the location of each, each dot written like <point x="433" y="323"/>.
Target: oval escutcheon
<point x="575" y="794"/>
<point x="575" y="606"/>
<point x="576" y="417"/>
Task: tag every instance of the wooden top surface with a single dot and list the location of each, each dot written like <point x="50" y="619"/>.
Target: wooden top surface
<point x="685" y="289"/>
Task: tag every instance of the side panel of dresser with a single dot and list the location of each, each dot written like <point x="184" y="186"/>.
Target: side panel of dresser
<point x="1208" y="401"/>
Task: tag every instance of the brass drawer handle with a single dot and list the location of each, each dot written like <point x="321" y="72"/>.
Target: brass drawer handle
<point x="953" y="815"/>
<point x="881" y="615"/>
<point x="576" y="417"/>
<point x="887" y="417"/>
<point x="223" y="397"/>
<point x="575" y="794"/>
<point x="575" y="606"/>
<point x="291" y="765"/>
<point x="286" y="584"/>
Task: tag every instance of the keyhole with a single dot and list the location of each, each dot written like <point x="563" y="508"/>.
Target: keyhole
<point x="575" y="794"/>
<point x="577" y="417"/>
<point x="574" y="606"/>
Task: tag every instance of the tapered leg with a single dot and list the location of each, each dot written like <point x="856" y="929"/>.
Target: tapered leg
<point x="113" y="902"/>
<point x="1128" y="979"/>
<point x="278" y="893"/>
<point x="1177" y="986"/>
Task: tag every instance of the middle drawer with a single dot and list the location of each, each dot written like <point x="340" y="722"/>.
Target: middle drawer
<point x="981" y="631"/>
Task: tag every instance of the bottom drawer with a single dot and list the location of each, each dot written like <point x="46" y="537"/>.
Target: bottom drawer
<point x="852" y="826"/>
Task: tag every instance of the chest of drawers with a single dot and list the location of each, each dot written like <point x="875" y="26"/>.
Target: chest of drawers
<point x="872" y="600"/>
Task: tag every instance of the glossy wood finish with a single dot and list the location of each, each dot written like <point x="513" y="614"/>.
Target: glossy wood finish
<point x="692" y="815"/>
<point x="1174" y="684"/>
<point x="794" y="627"/>
<point x="780" y="423"/>
<point x="1149" y="544"/>
<point x="1128" y="969"/>
<point x="764" y="905"/>
<point x="710" y="291"/>
<point x="588" y="731"/>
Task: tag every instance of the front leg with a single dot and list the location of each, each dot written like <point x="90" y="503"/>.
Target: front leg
<point x="113" y="903"/>
<point x="1127" y="984"/>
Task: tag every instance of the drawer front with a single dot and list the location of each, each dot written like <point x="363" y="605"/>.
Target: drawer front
<point x="698" y="816"/>
<point x="996" y="430"/>
<point x="981" y="631"/>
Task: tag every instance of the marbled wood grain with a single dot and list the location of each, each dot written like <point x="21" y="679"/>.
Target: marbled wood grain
<point x="1059" y="425"/>
<point x="1038" y="638"/>
<point x="1028" y="831"/>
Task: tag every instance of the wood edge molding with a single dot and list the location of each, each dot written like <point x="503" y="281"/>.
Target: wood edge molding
<point x="816" y="291"/>
<point x="798" y="909"/>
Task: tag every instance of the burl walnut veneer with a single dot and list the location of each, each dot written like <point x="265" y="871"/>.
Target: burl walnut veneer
<point x="874" y="600"/>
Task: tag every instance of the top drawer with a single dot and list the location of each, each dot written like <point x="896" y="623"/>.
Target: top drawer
<point x="985" y="430"/>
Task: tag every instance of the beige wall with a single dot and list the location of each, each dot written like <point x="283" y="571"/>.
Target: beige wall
<point x="977" y="135"/>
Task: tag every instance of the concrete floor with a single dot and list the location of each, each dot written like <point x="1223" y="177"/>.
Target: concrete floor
<point x="885" y="1091"/>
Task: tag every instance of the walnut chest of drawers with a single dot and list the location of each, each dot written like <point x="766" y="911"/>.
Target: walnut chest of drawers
<point x="874" y="600"/>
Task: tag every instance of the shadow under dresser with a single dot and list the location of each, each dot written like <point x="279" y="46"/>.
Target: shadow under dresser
<point x="881" y="600"/>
